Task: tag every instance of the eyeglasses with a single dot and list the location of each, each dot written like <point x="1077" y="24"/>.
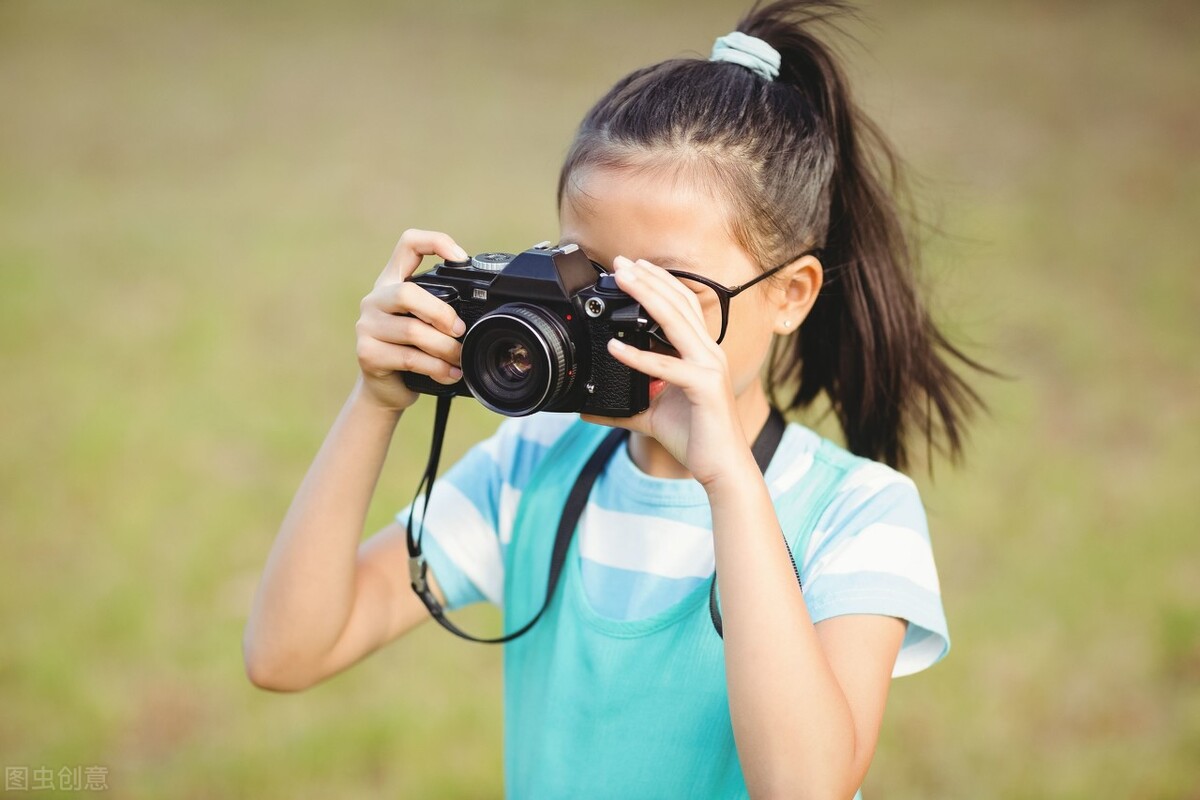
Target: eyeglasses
<point x="713" y="295"/>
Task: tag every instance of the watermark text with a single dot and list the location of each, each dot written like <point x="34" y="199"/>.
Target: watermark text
<point x="77" y="778"/>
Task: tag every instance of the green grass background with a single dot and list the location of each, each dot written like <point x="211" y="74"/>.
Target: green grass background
<point x="195" y="196"/>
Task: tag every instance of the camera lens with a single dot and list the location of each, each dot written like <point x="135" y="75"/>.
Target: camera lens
<point x="518" y="359"/>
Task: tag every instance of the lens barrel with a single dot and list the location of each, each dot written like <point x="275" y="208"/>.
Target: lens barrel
<point x="518" y="359"/>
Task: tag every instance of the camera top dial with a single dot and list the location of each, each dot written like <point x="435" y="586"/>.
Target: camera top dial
<point x="491" y="262"/>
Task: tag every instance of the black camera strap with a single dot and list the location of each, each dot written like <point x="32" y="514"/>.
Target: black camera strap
<point x="763" y="449"/>
<point x="576" y="501"/>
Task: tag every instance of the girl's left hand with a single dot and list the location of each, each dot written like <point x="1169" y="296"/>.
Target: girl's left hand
<point x="695" y="417"/>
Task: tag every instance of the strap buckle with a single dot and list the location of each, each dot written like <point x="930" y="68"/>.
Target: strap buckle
<point x="417" y="566"/>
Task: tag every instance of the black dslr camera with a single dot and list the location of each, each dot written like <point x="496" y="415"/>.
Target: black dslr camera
<point x="538" y="326"/>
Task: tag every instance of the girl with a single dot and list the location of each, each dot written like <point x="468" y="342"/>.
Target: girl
<point x="752" y="170"/>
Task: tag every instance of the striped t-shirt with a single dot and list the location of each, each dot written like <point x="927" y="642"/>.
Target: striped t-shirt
<point x="645" y="542"/>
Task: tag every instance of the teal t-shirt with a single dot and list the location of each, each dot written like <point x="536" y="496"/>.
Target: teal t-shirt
<point x="619" y="690"/>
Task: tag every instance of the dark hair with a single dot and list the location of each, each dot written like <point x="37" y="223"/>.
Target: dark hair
<point x="802" y="166"/>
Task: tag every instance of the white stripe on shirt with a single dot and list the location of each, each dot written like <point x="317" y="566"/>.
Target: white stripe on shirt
<point x="660" y="546"/>
<point x="880" y="548"/>
<point x="473" y="547"/>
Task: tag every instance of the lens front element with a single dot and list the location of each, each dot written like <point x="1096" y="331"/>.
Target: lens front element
<point x="515" y="365"/>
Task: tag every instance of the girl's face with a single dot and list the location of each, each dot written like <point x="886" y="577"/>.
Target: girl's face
<point x="676" y="224"/>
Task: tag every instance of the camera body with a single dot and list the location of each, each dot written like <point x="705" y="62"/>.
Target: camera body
<point x="538" y="325"/>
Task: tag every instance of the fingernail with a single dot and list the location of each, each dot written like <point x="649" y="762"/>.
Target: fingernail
<point x="460" y="254"/>
<point x="617" y="344"/>
<point x="459" y="328"/>
<point x="455" y="373"/>
<point x="621" y="262"/>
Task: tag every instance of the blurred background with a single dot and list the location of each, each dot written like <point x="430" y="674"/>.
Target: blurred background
<point x="194" y="197"/>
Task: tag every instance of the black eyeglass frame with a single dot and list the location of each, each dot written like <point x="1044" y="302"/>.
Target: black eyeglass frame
<point x="727" y="293"/>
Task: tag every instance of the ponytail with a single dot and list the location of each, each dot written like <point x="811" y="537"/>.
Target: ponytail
<point x="868" y="343"/>
<point x="803" y="166"/>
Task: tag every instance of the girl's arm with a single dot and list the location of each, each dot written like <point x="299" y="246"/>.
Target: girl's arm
<point x="324" y="602"/>
<point x="806" y="701"/>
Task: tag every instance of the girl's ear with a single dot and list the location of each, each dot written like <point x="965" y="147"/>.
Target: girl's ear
<point x="797" y="296"/>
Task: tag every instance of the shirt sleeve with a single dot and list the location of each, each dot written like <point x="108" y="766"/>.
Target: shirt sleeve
<point x="472" y="507"/>
<point x="870" y="554"/>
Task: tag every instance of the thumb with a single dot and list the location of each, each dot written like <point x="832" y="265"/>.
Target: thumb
<point x="638" y="423"/>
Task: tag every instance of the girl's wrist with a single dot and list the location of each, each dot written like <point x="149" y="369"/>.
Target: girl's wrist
<point x="361" y="397"/>
<point x="738" y="472"/>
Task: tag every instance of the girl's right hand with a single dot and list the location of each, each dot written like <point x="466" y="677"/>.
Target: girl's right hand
<point x="405" y="328"/>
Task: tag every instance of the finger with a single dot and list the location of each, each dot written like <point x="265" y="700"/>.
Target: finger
<point x="672" y="291"/>
<point x="410" y="331"/>
<point x="687" y="294"/>
<point x="380" y="359"/>
<point x="680" y="325"/>
<point x="413" y="245"/>
<point x="412" y="298"/>
<point x="675" y="371"/>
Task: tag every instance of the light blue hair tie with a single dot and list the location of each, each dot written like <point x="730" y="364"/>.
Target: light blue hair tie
<point x="751" y="52"/>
